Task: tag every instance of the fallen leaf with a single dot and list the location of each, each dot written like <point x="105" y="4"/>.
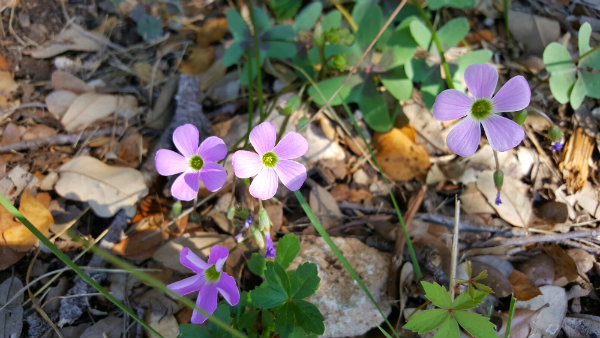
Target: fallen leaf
<point x="552" y="304"/>
<point x="73" y="38"/>
<point x="15" y="234"/>
<point x="583" y="259"/>
<point x="109" y="327"/>
<point x="148" y="236"/>
<point x="197" y="61"/>
<point x="11" y="318"/>
<point x="213" y="30"/>
<point x="13" y="184"/>
<point x="520" y="325"/>
<point x="59" y="101"/>
<point x="144" y="71"/>
<point x="131" y="149"/>
<point x="38" y="131"/>
<point x="89" y="107"/>
<point x="565" y="269"/>
<point x="166" y="325"/>
<point x="62" y="80"/>
<point x="522" y="286"/>
<point x="7" y="83"/>
<point x="581" y="326"/>
<point x="533" y="31"/>
<point x="539" y="269"/>
<point x="106" y="188"/>
<point x="399" y="156"/>
<point x="324" y="206"/>
<point x="516" y="206"/>
<point x="496" y="279"/>
<point x="199" y="243"/>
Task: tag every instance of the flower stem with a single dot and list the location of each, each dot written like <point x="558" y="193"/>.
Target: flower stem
<point x="340" y="256"/>
<point x="250" y="98"/>
<point x="454" y="252"/>
<point x="437" y="43"/>
<point x="259" y="90"/>
<point x="586" y="54"/>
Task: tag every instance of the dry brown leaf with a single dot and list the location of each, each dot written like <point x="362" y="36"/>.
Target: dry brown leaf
<point x="400" y="157"/>
<point x="198" y="60"/>
<point x="90" y="107"/>
<point x="324" y="206"/>
<point x="565" y="269"/>
<point x="62" y="80"/>
<point x="522" y="286"/>
<point x="59" y="101"/>
<point x="144" y="71"/>
<point x="38" y="131"/>
<point x="73" y="38"/>
<point x="148" y="236"/>
<point x="575" y="158"/>
<point x="7" y="83"/>
<point x="15" y="234"/>
<point x="521" y="323"/>
<point x="131" y="149"/>
<point x="212" y="31"/>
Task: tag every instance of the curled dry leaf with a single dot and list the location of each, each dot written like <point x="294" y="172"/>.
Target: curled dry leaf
<point x="62" y="80"/>
<point x="106" y="188"/>
<point x="90" y="107"/>
<point x="73" y="38"/>
<point x="523" y="287"/>
<point x="14" y="234"/>
<point x="400" y="157"/>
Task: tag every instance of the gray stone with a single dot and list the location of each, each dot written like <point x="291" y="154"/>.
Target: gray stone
<point x="346" y="308"/>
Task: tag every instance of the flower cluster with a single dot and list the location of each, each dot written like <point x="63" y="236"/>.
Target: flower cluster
<point x="483" y="110"/>
<point x="197" y="163"/>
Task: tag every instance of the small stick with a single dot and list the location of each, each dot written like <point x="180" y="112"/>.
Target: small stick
<point x="454" y="253"/>
<point x="59" y="139"/>
<point x="545" y="238"/>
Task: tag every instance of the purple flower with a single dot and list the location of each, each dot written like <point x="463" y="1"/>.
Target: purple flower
<point x="210" y="279"/>
<point x="270" y="249"/>
<point x="483" y="109"/>
<point x="195" y="162"/>
<point x="557" y="146"/>
<point x="272" y="161"/>
<point x="498" y="200"/>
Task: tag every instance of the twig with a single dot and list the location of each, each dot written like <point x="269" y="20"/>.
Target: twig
<point x="7" y="112"/>
<point x="543" y="238"/>
<point x="59" y="139"/>
<point x="448" y="222"/>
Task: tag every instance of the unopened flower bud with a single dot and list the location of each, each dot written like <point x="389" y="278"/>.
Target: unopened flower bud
<point x="520" y="117"/>
<point x="258" y="237"/>
<point x="176" y="209"/>
<point x="498" y="179"/>
<point x="230" y="213"/>
<point x="264" y="222"/>
<point x="555" y="134"/>
<point x="318" y="36"/>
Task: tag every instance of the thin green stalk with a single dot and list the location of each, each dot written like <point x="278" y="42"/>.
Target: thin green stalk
<point x="250" y="97"/>
<point x="505" y="7"/>
<point x="259" y="90"/>
<point x="340" y="256"/>
<point x="437" y="42"/>
<point x="586" y="54"/>
<point x="56" y="251"/>
<point x="511" y="313"/>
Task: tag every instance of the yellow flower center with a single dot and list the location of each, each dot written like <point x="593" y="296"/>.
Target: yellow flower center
<point x="481" y="108"/>
<point x="269" y="159"/>
<point x="196" y="162"/>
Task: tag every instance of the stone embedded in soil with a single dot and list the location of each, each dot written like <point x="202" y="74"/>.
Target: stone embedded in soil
<point x="346" y="308"/>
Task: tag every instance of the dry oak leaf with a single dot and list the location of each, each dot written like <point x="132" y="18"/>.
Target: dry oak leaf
<point x="89" y="107"/>
<point x="73" y="38"/>
<point x="400" y="157"/>
<point x="106" y="188"/>
<point x="14" y="234"/>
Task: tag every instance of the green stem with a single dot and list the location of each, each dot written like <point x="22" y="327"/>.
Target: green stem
<point x="511" y="313"/>
<point x="56" y="251"/>
<point x="588" y="53"/>
<point x="437" y="43"/>
<point x="250" y="98"/>
<point x="259" y="90"/>
<point x="506" y="6"/>
<point x="340" y="256"/>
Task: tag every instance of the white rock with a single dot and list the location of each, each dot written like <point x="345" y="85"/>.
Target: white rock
<point x="346" y="308"/>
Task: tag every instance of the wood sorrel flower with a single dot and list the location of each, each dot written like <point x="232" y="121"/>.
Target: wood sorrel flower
<point x="271" y="161"/>
<point x="483" y="109"/>
<point x="195" y="162"/>
<point x="210" y="279"/>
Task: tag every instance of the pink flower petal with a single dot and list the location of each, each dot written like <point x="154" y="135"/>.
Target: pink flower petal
<point x="228" y="289"/>
<point x="246" y="163"/>
<point x="464" y="139"/>
<point x="292" y="174"/>
<point x="207" y="301"/>
<point x="451" y="104"/>
<point x="513" y="96"/>
<point x="185" y="138"/>
<point x="212" y="149"/>
<point x="218" y="256"/>
<point x="481" y="80"/>
<point x="188" y="285"/>
<point x="264" y="185"/>
<point x="263" y="137"/>
<point x="168" y="162"/>
<point x="213" y="176"/>
<point x="186" y="186"/>
<point x="502" y="133"/>
<point x="292" y="145"/>
<point x="189" y="259"/>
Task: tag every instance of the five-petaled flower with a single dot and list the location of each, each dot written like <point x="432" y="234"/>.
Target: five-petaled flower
<point x="271" y="161"/>
<point x="483" y="109"/>
<point x="195" y="163"/>
<point x="210" y="279"/>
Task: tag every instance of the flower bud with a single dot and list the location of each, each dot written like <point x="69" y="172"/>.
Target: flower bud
<point x="555" y="134"/>
<point x="230" y="213"/>
<point x="258" y="237"/>
<point x="176" y="209"/>
<point x="520" y="117"/>
<point x="318" y="36"/>
<point x="264" y="222"/>
<point x="498" y="179"/>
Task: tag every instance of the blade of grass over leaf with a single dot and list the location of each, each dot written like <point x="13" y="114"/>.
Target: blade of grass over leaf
<point x="340" y="256"/>
<point x="511" y="313"/>
<point x="56" y="251"/>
